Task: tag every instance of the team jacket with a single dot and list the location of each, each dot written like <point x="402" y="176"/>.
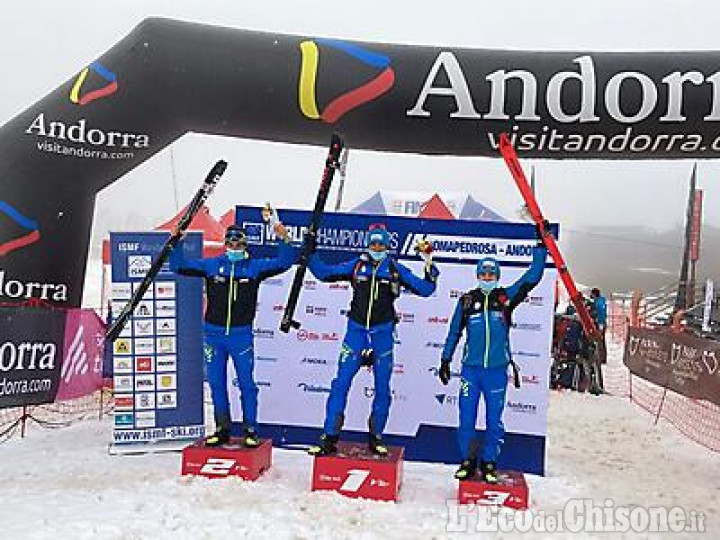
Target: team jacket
<point x="231" y="287"/>
<point x="487" y="318"/>
<point x="376" y="286"/>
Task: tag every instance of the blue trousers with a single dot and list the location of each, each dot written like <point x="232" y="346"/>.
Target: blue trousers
<point x="239" y="345"/>
<point x="379" y="338"/>
<point x="491" y="383"/>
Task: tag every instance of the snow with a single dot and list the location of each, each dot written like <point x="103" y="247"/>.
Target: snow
<point x="63" y="483"/>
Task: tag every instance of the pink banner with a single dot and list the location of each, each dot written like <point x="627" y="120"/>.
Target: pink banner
<point x="82" y="354"/>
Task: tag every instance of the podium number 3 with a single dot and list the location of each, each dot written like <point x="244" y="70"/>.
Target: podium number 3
<point x="494" y="497"/>
<point x="355" y="479"/>
<point x="218" y="466"/>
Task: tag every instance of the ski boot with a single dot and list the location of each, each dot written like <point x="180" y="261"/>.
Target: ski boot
<point x="377" y="446"/>
<point x="467" y="470"/>
<point x="250" y="438"/>
<point x="489" y="472"/>
<point x="220" y="437"/>
<point x="327" y="445"/>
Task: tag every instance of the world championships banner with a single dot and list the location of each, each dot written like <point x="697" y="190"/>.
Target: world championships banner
<point x="294" y="370"/>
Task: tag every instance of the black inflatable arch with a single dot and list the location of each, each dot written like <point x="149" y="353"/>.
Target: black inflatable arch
<point x="167" y="78"/>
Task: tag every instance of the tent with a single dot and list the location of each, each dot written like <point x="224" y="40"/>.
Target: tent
<point x="427" y="205"/>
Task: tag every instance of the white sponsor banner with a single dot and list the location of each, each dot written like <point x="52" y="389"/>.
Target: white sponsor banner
<point x="294" y="371"/>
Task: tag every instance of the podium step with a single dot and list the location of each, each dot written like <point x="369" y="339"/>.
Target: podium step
<point x="231" y="459"/>
<point x="354" y="471"/>
<point x="510" y="491"/>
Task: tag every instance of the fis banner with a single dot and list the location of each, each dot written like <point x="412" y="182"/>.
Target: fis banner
<point x="294" y="370"/>
<point x="104" y="121"/>
<point x="157" y="360"/>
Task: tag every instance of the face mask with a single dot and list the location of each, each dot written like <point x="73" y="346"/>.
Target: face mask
<point x="487" y="286"/>
<point x="235" y="255"/>
<point x="377" y="256"/>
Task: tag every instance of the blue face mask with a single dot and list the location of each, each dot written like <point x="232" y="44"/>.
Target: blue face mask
<point x="487" y="286"/>
<point x="377" y="256"/>
<point x="235" y="255"/>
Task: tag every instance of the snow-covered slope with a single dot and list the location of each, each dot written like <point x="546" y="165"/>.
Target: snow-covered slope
<point x="63" y="484"/>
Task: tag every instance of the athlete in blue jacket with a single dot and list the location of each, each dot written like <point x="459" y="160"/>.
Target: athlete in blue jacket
<point x="231" y="288"/>
<point x="485" y="312"/>
<point x="376" y="280"/>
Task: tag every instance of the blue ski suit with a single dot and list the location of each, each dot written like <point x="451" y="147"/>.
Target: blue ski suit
<point x="486" y="355"/>
<point x="231" y="289"/>
<point x="370" y="327"/>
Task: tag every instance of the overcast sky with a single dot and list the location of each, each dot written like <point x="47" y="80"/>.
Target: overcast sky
<point x="43" y="43"/>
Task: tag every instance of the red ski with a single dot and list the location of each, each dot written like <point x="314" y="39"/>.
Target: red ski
<point x="510" y="157"/>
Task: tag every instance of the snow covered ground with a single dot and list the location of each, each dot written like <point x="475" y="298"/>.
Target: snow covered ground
<point x="63" y="484"/>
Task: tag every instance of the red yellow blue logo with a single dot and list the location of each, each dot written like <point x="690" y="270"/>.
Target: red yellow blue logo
<point x="76" y="93"/>
<point x="30" y="237"/>
<point x="346" y="102"/>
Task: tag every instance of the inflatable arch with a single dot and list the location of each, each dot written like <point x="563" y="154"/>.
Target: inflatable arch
<point x="167" y="78"/>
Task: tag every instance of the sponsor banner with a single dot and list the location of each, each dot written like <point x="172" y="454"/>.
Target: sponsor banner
<point x="296" y="394"/>
<point x="158" y="394"/>
<point x="682" y="363"/>
<point x="83" y="353"/>
<point x="31" y="350"/>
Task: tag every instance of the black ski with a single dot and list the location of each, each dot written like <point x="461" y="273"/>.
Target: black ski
<point x="193" y="208"/>
<point x="310" y="240"/>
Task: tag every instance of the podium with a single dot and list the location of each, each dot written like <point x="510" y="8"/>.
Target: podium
<point x="354" y="471"/>
<point x="511" y="491"/>
<point x="230" y="459"/>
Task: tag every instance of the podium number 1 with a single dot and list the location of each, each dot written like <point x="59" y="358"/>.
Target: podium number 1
<point x="355" y="479"/>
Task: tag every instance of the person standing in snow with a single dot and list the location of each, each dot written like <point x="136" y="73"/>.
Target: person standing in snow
<point x="485" y="314"/>
<point x="231" y="288"/>
<point x="600" y="316"/>
<point x="376" y="279"/>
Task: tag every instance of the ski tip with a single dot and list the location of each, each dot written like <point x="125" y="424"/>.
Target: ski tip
<point x="219" y="167"/>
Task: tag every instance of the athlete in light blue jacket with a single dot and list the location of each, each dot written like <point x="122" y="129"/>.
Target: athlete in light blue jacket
<point x="485" y="312"/>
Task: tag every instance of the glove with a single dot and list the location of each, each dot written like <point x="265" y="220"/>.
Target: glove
<point x="367" y="357"/>
<point x="540" y="228"/>
<point x="444" y="372"/>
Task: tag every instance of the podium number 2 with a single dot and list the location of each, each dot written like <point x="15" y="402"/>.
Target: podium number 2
<point x="218" y="466"/>
<point x="355" y="479"/>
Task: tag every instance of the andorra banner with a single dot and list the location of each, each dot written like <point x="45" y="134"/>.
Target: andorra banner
<point x="294" y="371"/>
<point x="31" y="355"/>
<point x="167" y="78"/>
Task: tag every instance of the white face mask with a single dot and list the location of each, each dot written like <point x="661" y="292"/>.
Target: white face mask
<point x="377" y="255"/>
<point x="487" y="286"/>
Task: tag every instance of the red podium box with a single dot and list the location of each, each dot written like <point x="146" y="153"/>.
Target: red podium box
<point x="231" y="459"/>
<point x="510" y="491"/>
<point x="354" y="471"/>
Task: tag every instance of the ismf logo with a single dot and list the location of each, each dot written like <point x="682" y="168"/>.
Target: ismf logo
<point x="348" y="101"/>
<point x="109" y="89"/>
<point x="30" y="225"/>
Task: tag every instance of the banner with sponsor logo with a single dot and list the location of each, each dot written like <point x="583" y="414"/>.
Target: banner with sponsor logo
<point x="87" y="133"/>
<point x="83" y="354"/>
<point x="294" y="370"/>
<point x="682" y="363"/>
<point x="31" y="349"/>
<point x="157" y="360"/>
